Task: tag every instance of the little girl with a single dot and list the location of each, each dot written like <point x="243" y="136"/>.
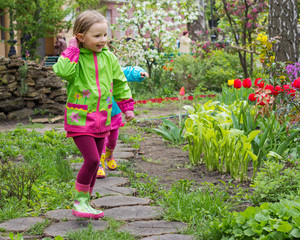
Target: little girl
<point x="132" y="74"/>
<point x="94" y="75"/>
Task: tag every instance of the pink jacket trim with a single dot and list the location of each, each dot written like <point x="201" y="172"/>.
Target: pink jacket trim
<point x="126" y="105"/>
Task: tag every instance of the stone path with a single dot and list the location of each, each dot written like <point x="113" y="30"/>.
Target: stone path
<point x="118" y="201"/>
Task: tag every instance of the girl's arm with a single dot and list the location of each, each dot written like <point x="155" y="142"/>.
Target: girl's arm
<point x="121" y="90"/>
<point x="134" y="74"/>
<point x="67" y="62"/>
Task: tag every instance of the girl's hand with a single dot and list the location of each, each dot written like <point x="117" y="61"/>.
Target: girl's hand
<point x="73" y="42"/>
<point x="129" y="115"/>
<point x="144" y="74"/>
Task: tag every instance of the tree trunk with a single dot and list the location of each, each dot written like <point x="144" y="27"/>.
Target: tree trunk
<point x="197" y="28"/>
<point x="283" y="23"/>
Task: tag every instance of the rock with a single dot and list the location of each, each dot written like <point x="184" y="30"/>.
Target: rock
<point x="119" y="201"/>
<point x="20" y="224"/>
<point x="103" y="191"/>
<point x="5" y="95"/>
<point x="170" y="237"/>
<point x="57" y="119"/>
<point x="2" y="116"/>
<point x="111" y="182"/>
<point x="154" y="227"/>
<point x="126" y="155"/>
<point x="61" y="215"/>
<point x="40" y="120"/>
<point x="134" y="213"/>
<point x="62" y="228"/>
<point x="20" y="114"/>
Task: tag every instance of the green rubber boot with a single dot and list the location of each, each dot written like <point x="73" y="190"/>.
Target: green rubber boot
<point x="82" y="207"/>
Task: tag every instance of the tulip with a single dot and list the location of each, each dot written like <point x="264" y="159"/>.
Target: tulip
<point x="181" y="92"/>
<point x="237" y="83"/>
<point x="297" y="83"/>
<point x="247" y="83"/>
<point x="230" y="82"/>
<point x="171" y="69"/>
<point x="292" y="92"/>
<point x="270" y="87"/>
<point x="256" y="81"/>
<point x="286" y="87"/>
<point x="277" y="90"/>
<point x="252" y="97"/>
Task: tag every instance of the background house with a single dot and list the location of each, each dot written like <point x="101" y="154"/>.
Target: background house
<point x="46" y="45"/>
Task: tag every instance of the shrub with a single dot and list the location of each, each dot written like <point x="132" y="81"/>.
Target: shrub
<point x="274" y="182"/>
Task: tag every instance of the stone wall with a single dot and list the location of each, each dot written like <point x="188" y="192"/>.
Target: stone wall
<point x="38" y="91"/>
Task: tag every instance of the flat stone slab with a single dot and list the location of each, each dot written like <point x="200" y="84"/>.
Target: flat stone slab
<point x="20" y="224"/>
<point x="134" y="213"/>
<point x="25" y="237"/>
<point x="119" y="201"/>
<point x="126" y="155"/>
<point x="62" y="228"/>
<point x="111" y="182"/>
<point x="124" y="149"/>
<point x="103" y="190"/>
<point x="170" y="237"/>
<point x="60" y="215"/>
<point x="154" y="227"/>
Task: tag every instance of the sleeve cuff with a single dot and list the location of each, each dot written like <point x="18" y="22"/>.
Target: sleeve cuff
<point x="126" y="105"/>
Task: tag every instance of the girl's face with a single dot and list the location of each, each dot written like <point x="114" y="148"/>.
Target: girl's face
<point x="96" y="37"/>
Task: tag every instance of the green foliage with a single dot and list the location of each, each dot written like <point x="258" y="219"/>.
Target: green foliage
<point x="230" y="94"/>
<point x="196" y="206"/>
<point x="171" y="132"/>
<point x="209" y="132"/>
<point x="273" y="138"/>
<point x="269" y="221"/>
<point x="43" y="180"/>
<point x="273" y="183"/>
<point x="109" y="233"/>
<point x="16" y="180"/>
<point x="38" y="228"/>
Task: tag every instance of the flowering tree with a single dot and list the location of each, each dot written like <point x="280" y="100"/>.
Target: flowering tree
<point x="242" y="18"/>
<point x="157" y="25"/>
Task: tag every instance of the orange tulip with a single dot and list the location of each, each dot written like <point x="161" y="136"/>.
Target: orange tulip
<point x="181" y="92"/>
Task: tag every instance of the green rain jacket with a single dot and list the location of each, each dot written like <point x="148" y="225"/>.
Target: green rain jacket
<point x="93" y="78"/>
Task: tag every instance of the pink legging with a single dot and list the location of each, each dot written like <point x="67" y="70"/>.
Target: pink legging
<point x="91" y="149"/>
<point x="111" y="140"/>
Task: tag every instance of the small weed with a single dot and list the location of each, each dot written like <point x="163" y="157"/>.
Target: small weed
<point x="110" y="233"/>
<point x="150" y="160"/>
<point x="38" y="228"/>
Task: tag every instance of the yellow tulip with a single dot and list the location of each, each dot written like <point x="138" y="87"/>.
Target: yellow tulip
<point x="231" y="82"/>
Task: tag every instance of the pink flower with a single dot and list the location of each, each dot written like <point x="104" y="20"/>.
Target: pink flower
<point x="75" y="117"/>
<point x="86" y="93"/>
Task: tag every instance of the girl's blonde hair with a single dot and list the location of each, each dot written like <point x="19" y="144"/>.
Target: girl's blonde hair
<point x="85" y="20"/>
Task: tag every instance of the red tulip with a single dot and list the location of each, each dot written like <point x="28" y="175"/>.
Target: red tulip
<point x="292" y="92"/>
<point x="252" y="97"/>
<point x="181" y="92"/>
<point x="277" y="90"/>
<point x="247" y="83"/>
<point x="237" y="83"/>
<point x="270" y="87"/>
<point x="286" y="87"/>
<point x="256" y="81"/>
<point x="297" y="83"/>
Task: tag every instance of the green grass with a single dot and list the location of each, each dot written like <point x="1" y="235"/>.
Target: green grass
<point x="110" y="233"/>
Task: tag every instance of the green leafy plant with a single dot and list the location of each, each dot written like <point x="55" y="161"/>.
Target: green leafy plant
<point x="273" y="183"/>
<point x="269" y="221"/>
<point x="209" y="132"/>
<point x="171" y="132"/>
